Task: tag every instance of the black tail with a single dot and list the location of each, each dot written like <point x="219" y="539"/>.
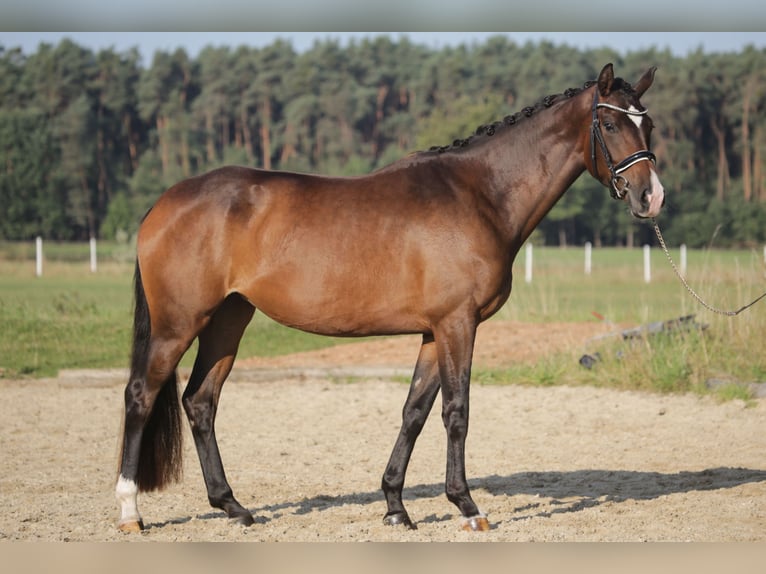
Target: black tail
<point x="161" y="446"/>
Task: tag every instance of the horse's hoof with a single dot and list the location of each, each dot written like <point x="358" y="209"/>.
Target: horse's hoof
<point x="476" y="524"/>
<point x="131" y="526"/>
<point x="243" y="519"/>
<point x="399" y="519"/>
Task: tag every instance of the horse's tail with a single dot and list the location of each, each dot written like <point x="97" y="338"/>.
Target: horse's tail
<point x="160" y="460"/>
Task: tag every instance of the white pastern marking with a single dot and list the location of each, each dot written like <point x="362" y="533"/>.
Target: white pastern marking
<point x="126" y="493"/>
<point x="635" y="118"/>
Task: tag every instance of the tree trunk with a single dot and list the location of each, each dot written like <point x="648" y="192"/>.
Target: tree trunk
<point x="597" y="242"/>
<point x="132" y="150"/>
<point x="185" y="159"/>
<point x="89" y="215"/>
<point x="288" y="150"/>
<point x="747" y="184"/>
<point x="266" y="133"/>
<point x="379" y="108"/>
<point x="210" y="137"/>
<point x="225" y="132"/>
<point x="247" y="134"/>
<point x="162" y="135"/>
<point x="102" y="184"/>
<point x="347" y="137"/>
<point x="722" y="182"/>
<point x="759" y="190"/>
<point x="238" y="139"/>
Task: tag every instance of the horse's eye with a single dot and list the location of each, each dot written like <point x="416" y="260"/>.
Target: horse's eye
<point x="610" y="127"/>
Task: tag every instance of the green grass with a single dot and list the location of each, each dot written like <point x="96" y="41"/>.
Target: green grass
<point x="666" y="363"/>
<point x="71" y="318"/>
<point x="730" y="348"/>
<point x="560" y="290"/>
<point x="64" y="319"/>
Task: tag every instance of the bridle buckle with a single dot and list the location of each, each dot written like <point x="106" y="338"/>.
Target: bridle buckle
<point x="617" y="191"/>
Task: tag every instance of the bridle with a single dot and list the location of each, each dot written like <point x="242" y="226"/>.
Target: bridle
<point x="619" y="185"/>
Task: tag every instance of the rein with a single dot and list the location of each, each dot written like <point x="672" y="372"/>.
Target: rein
<point x="619" y="185"/>
<point x="690" y="290"/>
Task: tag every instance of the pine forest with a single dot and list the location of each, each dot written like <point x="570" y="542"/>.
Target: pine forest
<point x="88" y="140"/>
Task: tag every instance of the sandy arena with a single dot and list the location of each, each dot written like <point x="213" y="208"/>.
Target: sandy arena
<point x="305" y="439"/>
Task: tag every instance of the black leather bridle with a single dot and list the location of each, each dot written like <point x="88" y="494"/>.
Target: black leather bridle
<point x="619" y="185"/>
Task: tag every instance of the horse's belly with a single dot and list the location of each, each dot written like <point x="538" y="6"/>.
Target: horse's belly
<point x="345" y="322"/>
<point x="345" y="308"/>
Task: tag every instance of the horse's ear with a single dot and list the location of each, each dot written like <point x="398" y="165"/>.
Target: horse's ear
<point x="645" y="81"/>
<point x="605" y="79"/>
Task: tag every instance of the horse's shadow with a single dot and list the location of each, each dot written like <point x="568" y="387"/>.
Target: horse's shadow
<point x="570" y="491"/>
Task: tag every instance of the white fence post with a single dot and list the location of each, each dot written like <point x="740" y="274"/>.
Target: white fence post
<point x="647" y="264"/>
<point x="528" y="264"/>
<point x="93" y="260"/>
<point x="683" y="259"/>
<point x="39" y="256"/>
<point x="588" y="256"/>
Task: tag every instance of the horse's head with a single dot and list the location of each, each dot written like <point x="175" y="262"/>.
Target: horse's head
<point x="618" y="152"/>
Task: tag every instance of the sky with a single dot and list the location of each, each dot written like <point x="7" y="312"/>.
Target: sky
<point x="308" y="15"/>
<point x="679" y="43"/>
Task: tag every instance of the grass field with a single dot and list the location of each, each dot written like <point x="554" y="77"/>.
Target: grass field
<point x="72" y="318"/>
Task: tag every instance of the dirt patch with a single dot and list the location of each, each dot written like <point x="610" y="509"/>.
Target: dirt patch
<point x="306" y="454"/>
<point x="498" y="343"/>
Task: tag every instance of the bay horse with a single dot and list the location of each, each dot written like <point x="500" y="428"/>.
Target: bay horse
<point x="422" y="246"/>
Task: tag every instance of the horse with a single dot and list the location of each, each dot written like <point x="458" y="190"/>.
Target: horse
<point x="422" y="246"/>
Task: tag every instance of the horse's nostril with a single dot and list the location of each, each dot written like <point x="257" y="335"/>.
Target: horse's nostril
<point x="645" y="196"/>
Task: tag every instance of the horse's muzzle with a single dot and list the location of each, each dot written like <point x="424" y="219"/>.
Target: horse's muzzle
<point x="651" y="199"/>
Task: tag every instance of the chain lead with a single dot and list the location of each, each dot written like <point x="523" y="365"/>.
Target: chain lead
<point x="694" y="294"/>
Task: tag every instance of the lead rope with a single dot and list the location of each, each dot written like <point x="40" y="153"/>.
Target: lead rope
<point x="694" y="294"/>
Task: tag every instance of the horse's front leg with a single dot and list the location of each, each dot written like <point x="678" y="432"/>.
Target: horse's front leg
<point x="423" y="389"/>
<point x="455" y="341"/>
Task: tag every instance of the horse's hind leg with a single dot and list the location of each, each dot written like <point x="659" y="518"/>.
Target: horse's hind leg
<point x="151" y="451"/>
<point x="218" y="344"/>
<point x="423" y="390"/>
<point x="151" y="441"/>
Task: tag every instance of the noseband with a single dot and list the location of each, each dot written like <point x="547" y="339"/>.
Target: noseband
<point x="619" y="185"/>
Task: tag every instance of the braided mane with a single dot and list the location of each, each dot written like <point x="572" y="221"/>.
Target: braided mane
<point x="510" y="120"/>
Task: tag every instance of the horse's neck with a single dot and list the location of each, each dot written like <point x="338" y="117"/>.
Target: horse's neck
<point x="529" y="167"/>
